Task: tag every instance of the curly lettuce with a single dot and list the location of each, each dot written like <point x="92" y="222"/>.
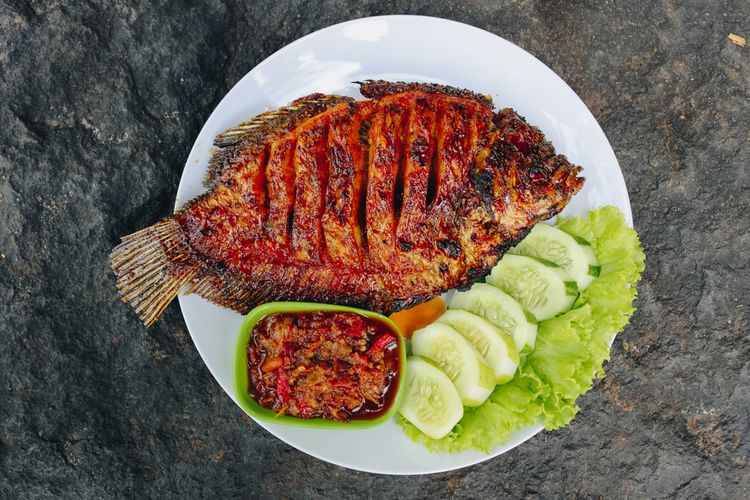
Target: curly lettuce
<point x="570" y="349"/>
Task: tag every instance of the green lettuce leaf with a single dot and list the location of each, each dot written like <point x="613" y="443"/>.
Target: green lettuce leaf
<point x="570" y="349"/>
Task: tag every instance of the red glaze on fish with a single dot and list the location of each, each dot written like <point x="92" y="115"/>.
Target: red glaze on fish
<point x="381" y="203"/>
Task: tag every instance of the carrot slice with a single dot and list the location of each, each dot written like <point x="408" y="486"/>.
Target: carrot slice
<point x="419" y="316"/>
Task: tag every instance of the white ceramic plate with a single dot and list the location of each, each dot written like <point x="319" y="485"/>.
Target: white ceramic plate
<point x="407" y="48"/>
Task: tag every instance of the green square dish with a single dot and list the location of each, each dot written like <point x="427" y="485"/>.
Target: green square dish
<point x="255" y="410"/>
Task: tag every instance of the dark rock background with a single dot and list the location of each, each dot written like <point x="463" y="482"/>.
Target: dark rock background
<point x="99" y="105"/>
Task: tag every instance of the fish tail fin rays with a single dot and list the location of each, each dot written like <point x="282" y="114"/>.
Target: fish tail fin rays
<point x="152" y="266"/>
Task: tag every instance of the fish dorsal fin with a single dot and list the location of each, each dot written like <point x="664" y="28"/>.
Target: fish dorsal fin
<point x="281" y="119"/>
<point x="377" y="89"/>
<point x="264" y="127"/>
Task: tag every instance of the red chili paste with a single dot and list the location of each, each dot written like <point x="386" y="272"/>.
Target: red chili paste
<point x="334" y="365"/>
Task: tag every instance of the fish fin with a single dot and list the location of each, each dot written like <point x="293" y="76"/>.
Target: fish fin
<point x="152" y="266"/>
<point x="227" y="290"/>
<point x="377" y="89"/>
<point x="256" y="132"/>
<point x="283" y="117"/>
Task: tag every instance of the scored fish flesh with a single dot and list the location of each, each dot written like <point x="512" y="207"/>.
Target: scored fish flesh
<point x="380" y="203"/>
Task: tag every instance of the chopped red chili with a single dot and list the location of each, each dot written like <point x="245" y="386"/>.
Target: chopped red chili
<point x="334" y="365"/>
<point x="381" y="343"/>
<point x="282" y="385"/>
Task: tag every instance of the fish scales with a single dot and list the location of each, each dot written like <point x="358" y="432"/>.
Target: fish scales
<point x="380" y="203"/>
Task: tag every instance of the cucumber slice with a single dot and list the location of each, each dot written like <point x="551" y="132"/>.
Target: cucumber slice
<point x="543" y="288"/>
<point x="496" y="346"/>
<point x="473" y="377"/>
<point x="574" y="255"/>
<point x="430" y="400"/>
<point x="501" y="310"/>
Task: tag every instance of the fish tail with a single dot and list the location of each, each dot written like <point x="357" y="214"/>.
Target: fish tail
<point x="152" y="266"/>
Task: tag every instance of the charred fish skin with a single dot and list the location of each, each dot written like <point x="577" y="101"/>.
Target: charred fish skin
<point x="380" y="203"/>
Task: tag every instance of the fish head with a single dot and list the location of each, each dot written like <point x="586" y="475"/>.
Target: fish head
<point x="518" y="175"/>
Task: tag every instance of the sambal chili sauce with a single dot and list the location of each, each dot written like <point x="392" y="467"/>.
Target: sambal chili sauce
<point x="334" y="365"/>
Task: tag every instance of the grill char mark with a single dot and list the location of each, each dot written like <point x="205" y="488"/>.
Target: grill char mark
<point x="311" y="177"/>
<point x="452" y="164"/>
<point x="432" y="180"/>
<point x="358" y="138"/>
<point x="364" y="110"/>
<point x="280" y="178"/>
<point x="249" y="181"/>
<point x="385" y="151"/>
<point x="419" y="149"/>
<point x="406" y="106"/>
<point x="453" y="159"/>
<point x="340" y="218"/>
<point x="476" y="226"/>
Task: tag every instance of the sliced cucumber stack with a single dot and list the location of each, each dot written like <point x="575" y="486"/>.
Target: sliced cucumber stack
<point x="573" y="254"/>
<point x="473" y="377"/>
<point x="542" y="287"/>
<point x="430" y="401"/>
<point x="496" y="346"/>
<point x="501" y="310"/>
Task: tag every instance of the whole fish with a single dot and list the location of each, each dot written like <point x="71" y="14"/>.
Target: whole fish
<point x="380" y="203"/>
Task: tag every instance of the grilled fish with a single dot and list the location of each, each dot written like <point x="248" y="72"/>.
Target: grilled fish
<point x="380" y="203"/>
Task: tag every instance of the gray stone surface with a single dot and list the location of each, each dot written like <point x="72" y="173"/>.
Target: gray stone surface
<point x="99" y="105"/>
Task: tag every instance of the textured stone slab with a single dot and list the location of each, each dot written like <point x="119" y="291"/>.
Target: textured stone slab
<point x="99" y="106"/>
